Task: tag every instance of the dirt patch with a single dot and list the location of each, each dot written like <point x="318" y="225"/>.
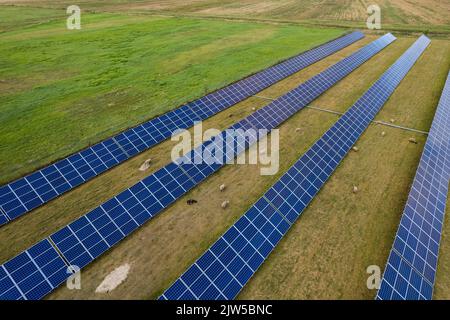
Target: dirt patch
<point x="114" y="279"/>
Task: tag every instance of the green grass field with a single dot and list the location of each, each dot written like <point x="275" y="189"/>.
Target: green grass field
<point x="13" y="18"/>
<point x="62" y="90"/>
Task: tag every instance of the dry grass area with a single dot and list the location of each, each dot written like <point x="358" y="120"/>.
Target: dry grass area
<point x="417" y="14"/>
<point x="393" y="12"/>
<point x="326" y="252"/>
<point x="398" y="11"/>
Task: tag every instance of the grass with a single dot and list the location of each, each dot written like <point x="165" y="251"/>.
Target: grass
<point x="406" y="16"/>
<point x="12" y="18"/>
<point x="336" y="238"/>
<point x="326" y="252"/>
<point x="23" y="232"/>
<point x="63" y="90"/>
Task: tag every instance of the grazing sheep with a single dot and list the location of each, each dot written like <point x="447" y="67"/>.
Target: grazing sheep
<point x="412" y="140"/>
<point x="355" y="148"/>
<point x="383" y="134"/>
<point x="145" y="165"/>
<point x="253" y="109"/>
<point x="392" y="120"/>
<point x="222" y="187"/>
<point x="191" y="201"/>
<point x="355" y="189"/>
<point x="225" y="204"/>
<point x="297" y="130"/>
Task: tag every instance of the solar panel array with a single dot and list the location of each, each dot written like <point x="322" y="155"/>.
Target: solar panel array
<point x="33" y="273"/>
<point x="411" y="267"/>
<point x="223" y="270"/>
<point x="85" y="239"/>
<point x="28" y="193"/>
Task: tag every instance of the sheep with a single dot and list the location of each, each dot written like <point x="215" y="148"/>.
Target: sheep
<point x="355" y="189"/>
<point x="383" y="134"/>
<point x="145" y="165"/>
<point x="191" y="201"/>
<point x="225" y="204"/>
<point x="222" y="187"/>
<point x="412" y="140"/>
<point x="355" y="148"/>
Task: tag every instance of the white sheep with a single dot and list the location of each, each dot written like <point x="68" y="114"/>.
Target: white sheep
<point x="145" y="165"/>
<point x="412" y="140"/>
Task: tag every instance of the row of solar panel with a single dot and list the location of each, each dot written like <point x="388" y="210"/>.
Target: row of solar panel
<point x="33" y="273"/>
<point x="223" y="270"/>
<point x="89" y="236"/>
<point x="28" y="193"/>
<point x="411" y="267"/>
<point x="3" y="218"/>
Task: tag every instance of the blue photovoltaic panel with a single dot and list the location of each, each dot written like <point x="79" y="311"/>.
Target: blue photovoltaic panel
<point x="223" y="270"/>
<point x="411" y="266"/>
<point x="3" y="218"/>
<point x="32" y="274"/>
<point x="89" y="236"/>
<point x="85" y="239"/>
<point x="26" y="194"/>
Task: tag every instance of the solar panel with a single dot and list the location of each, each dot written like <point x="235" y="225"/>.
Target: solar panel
<point x="3" y="218"/>
<point x="223" y="270"/>
<point x="411" y="267"/>
<point x="30" y="192"/>
<point x="85" y="239"/>
<point x="32" y="274"/>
